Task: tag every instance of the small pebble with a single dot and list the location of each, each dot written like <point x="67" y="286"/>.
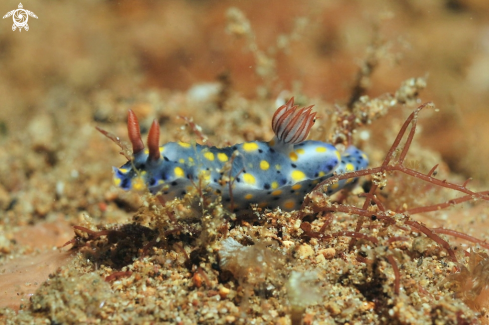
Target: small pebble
<point x="328" y="253"/>
<point x="223" y="292"/>
<point x="305" y="251"/>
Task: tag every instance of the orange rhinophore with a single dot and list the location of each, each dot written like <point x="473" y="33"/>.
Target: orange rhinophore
<point x="153" y="141"/>
<point x="134" y="133"/>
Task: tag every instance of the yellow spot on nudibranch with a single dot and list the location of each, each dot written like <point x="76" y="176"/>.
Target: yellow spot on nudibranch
<point x="117" y="181"/>
<point x="179" y="172"/>
<point x="278" y="167"/>
<point x="138" y="184"/>
<point x="190" y="159"/>
<point x="222" y="156"/>
<point x="209" y="155"/>
<point x="321" y="174"/>
<point x="293" y="156"/>
<point x="297" y="175"/>
<point x="162" y="149"/>
<point x="184" y="144"/>
<point x="349" y="167"/>
<point x="338" y="155"/>
<point x="248" y="178"/>
<point x="277" y="192"/>
<point x="264" y="165"/>
<point x="181" y="160"/>
<point x="289" y="204"/>
<point x="248" y="196"/>
<point x="321" y="149"/>
<point x="334" y="186"/>
<point x="274" y="185"/>
<point x="300" y="151"/>
<point x="250" y="146"/>
<point x="146" y="151"/>
<point x="123" y="170"/>
<point x="296" y="186"/>
<point x="206" y="176"/>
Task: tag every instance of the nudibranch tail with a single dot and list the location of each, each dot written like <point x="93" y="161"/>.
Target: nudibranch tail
<point x="292" y="125"/>
<point x="134" y="133"/>
<point x="153" y="142"/>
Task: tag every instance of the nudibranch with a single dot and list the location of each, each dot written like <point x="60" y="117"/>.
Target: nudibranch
<point x="278" y="173"/>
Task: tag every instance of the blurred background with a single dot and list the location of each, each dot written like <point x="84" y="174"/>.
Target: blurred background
<point x="85" y="63"/>
<point x="75" y="50"/>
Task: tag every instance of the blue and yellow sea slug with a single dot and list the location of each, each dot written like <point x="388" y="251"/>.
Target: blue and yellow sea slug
<point x="278" y="173"/>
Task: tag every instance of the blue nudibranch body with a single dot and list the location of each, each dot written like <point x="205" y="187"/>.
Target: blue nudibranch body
<point x="278" y="173"/>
